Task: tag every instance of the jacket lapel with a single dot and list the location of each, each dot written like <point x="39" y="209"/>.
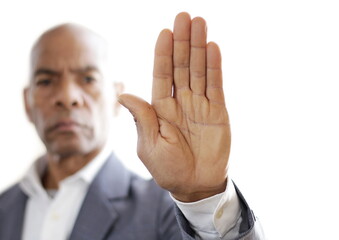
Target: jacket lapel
<point x="98" y="214"/>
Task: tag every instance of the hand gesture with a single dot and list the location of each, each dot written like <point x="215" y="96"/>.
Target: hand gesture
<point x="184" y="135"/>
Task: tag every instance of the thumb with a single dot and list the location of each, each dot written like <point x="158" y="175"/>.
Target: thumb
<point x="145" y="118"/>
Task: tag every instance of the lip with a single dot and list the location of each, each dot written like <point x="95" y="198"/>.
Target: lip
<point x="65" y="126"/>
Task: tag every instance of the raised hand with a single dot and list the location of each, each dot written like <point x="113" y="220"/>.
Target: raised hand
<point x="184" y="135"/>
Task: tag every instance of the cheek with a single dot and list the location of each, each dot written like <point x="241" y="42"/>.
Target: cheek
<point x="101" y="114"/>
<point x="38" y="119"/>
<point x="100" y="100"/>
<point x="40" y="112"/>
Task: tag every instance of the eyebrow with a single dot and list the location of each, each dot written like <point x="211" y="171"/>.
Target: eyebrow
<point x="85" y="69"/>
<point x="77" y="70"/>
<point x="45" y="71"/>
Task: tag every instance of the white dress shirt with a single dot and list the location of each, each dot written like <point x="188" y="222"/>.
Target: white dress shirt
<point x="52" y="214"/>
<point x="53" y="217"/>
<point x="216" y="217"/>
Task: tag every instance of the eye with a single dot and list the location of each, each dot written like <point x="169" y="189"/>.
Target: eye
<point x="89" y="79"/>
<point x="43" y="82"/>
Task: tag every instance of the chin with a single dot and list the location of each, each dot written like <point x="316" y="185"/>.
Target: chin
<point x="67" y="149"/>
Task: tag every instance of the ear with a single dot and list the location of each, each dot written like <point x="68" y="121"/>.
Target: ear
<point x="118" y="89"/>
<point x="27" y="104"/>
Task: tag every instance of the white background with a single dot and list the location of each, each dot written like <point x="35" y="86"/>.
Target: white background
<point x="281" y="71"/>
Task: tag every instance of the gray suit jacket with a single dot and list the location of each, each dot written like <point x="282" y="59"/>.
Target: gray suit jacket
<point x="119" y="205"/>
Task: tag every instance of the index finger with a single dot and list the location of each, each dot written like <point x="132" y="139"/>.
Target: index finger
<point x="163" y="66"/>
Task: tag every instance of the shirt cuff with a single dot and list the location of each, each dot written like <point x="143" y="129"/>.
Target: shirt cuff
<point x="217" y="215"/>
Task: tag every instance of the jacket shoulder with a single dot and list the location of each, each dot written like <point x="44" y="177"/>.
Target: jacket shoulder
<point x="12" y="208"/>
<point x="10" y="195"/>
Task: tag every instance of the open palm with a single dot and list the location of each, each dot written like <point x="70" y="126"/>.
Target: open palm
<point x="184" y="135"/>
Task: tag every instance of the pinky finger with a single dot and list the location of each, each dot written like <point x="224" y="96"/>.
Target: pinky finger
<point x="214" y="86"/>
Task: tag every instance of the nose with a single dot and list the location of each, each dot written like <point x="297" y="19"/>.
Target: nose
<point x="68" y="95"/>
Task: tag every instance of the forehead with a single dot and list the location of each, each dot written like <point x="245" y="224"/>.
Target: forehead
<point x="68" y="48"/>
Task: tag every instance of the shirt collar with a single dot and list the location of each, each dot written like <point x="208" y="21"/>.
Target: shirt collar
<point x="31" y="182"/>
<point x="90" y="170"/>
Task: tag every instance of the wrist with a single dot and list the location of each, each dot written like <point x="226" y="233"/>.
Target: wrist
<point x="199" y="195"/>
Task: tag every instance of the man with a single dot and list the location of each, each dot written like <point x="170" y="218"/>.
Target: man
<point x="78" y="190"/>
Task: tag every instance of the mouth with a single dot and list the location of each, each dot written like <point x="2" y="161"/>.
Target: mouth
<point x="65" y="126"/>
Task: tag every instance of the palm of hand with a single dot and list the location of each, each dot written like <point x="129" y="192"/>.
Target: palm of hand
<point x="184" y="136"/>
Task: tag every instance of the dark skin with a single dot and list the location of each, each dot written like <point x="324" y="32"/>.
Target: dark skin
<point x="67" y="100"/>
<point x="183" y="135"/>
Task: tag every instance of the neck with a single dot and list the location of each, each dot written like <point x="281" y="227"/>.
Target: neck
<point x="59" y="168"/>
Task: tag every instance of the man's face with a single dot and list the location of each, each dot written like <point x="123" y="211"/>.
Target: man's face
<point x="66" y="100"/>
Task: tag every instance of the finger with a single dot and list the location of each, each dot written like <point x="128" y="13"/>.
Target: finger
<point x="198" y="56"/>
<point x="214" y="89"/>
<point x="144" y="116"/>
<point x="181" y="51"/>
<point x="163" y="66"/>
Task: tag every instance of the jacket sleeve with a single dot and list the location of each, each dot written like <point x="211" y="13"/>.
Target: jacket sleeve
<point x="250" y="228"/>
